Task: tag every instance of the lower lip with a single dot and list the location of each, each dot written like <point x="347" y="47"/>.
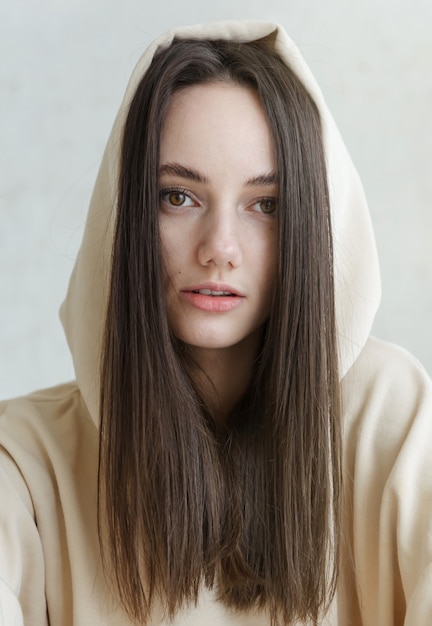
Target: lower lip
<point x="212" y="304"/>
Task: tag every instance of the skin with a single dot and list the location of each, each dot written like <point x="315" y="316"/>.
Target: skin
<point x="218" y="224"/>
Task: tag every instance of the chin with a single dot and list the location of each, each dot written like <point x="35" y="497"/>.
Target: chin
<point x="210" y="343"/>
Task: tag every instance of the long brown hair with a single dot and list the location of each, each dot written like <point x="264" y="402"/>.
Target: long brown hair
<point x="251" y="511"/>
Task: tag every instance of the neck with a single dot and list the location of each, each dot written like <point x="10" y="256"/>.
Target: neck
<point x="224" y="374"/>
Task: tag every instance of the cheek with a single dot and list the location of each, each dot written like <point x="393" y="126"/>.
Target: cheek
<point x="178" y="242"/>
<point x="176" y="256"/>
<point x="170" y="251"/>
<point x="267" y="271"/>
<point x="265" y="261"/>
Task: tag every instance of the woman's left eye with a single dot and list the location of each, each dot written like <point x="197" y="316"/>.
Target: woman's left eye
<point x="176" y="198"/>
<point x="265" y="205"/>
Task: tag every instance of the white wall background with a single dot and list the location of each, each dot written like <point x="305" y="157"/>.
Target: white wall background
<point x="64" y="65"/>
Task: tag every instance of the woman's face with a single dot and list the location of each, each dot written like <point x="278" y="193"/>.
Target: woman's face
<point x="218" y="215"/>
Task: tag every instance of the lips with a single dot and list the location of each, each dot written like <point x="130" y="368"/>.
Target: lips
<point x="212" y="292"/>
<point x="213" y="289"/>
<point x="212" y="298"/>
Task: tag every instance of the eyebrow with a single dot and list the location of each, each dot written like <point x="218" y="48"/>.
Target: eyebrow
<point x="264" y="180"/>
<point x="176" y="169"/>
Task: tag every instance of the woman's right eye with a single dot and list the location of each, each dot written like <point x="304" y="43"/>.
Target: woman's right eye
<point x="176" y="198"/>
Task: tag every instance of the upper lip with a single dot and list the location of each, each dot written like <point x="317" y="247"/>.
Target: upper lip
<point x="214" y="287"/>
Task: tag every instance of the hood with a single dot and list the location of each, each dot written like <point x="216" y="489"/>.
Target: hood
<point x="357" y="280"/>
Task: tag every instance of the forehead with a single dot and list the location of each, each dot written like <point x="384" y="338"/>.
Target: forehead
<point x="213" y="122"/>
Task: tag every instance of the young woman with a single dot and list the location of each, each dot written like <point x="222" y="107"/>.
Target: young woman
<point x="219" y="315"/>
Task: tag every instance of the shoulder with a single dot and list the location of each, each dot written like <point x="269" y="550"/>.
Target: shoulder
<point x="387" y="403"/>
<point x="48" y="530"/>
<point x="387" y="384"/>
<point x="387" y="399"/>
<point x="44" y="416"/>
<point x="387" y="363"/>
<point x="41" y="402"/>
<point x="388" y="439"/>
<point x="43" y="436"/>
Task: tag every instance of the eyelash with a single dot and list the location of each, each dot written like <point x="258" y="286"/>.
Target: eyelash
<point x="267" y="199"/>
<point x="175" y="190"/>
<point x="184" y="192"/>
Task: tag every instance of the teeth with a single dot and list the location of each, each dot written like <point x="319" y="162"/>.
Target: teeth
<point x="210" y="292"/>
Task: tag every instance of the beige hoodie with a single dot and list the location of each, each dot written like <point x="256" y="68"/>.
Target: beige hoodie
<point x="50" y="570"/>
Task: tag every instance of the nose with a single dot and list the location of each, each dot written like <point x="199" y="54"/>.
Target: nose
<point x="219" y="243"/>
